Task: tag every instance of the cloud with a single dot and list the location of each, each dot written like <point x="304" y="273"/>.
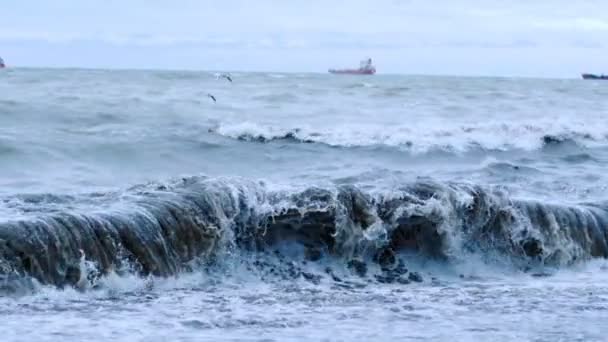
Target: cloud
<point x="407" y="33"/>
<point x="255" y="23"/>
<point x="20" y="35"/>
<point x="580" y="24"/>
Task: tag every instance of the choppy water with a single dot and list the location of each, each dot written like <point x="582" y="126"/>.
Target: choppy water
<point x="301" y="207"/>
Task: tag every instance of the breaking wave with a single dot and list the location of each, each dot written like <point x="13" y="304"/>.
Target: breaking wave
<point x="457" y="139"/>
<point x="167" y="229"/>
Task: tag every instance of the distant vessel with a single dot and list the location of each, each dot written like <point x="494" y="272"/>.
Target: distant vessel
<point x="595" y="77"/>
<point x="2" y="65"/>
<point x="365" y="68"/>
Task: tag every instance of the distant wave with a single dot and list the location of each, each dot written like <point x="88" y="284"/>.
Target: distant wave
<point x="578" y="158"/>
<point x="504" y="168"/>
<point x="277" y="98"/>
<point x="166" y="229"/>
<point x="360" y="85"/>
<point x="255" y="133"/>
<point x="459" y="139"/>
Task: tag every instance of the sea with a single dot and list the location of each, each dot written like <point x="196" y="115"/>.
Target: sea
<point x="183" y="206"/>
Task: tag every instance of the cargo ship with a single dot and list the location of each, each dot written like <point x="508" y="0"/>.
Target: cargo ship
<point x="365" y="68"/>
<point x="595" y="77"/>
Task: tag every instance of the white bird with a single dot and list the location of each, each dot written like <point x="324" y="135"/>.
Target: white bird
<point x="226" y="76"/>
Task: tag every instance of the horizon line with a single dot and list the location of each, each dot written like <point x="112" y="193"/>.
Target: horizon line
<point x="170" y="69"/>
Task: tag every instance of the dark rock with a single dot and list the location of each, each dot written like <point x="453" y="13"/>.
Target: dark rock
<point x="293" y="270"/>
<point x="415" y="277"/>
<point x="390" y="272"/>
<point x="384" y="279"/>
<point x="400" y="269"/>
<point x="396" y="271"/>
<point x="385" y="258"/>
<point x="313" y="278"/>
<point x="403" y="281"/>
<point x="332" y="275"/>
<point x="358" y="266"/>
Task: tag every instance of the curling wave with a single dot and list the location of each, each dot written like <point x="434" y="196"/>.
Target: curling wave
<point x="168" y="229"/>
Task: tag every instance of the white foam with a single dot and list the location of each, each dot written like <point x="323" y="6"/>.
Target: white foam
<point x="423" y="138"/>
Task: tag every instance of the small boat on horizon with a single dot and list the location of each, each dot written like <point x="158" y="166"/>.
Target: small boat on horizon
<point x="365" y="68"/>
<point x="595" y="77"/>
<point x="2" y="65"/>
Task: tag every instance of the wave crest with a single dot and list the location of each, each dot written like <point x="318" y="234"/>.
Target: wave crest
<point x="455" y="139"/>
<point x="168" y="229"/>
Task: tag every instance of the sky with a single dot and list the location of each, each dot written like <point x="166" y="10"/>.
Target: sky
<point x="529" y="38"/>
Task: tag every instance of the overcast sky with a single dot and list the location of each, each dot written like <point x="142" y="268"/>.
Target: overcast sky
<point x="544" y="38"/>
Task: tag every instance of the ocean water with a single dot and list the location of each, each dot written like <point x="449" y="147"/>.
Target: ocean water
<point x="301" y="207"/>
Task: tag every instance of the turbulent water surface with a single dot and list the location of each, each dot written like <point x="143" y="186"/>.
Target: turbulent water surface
<point x="301" y="207"/>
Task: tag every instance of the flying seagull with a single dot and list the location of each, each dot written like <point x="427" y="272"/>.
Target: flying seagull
<point x="212" y="97"/>
<point x="226" y="76"/>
